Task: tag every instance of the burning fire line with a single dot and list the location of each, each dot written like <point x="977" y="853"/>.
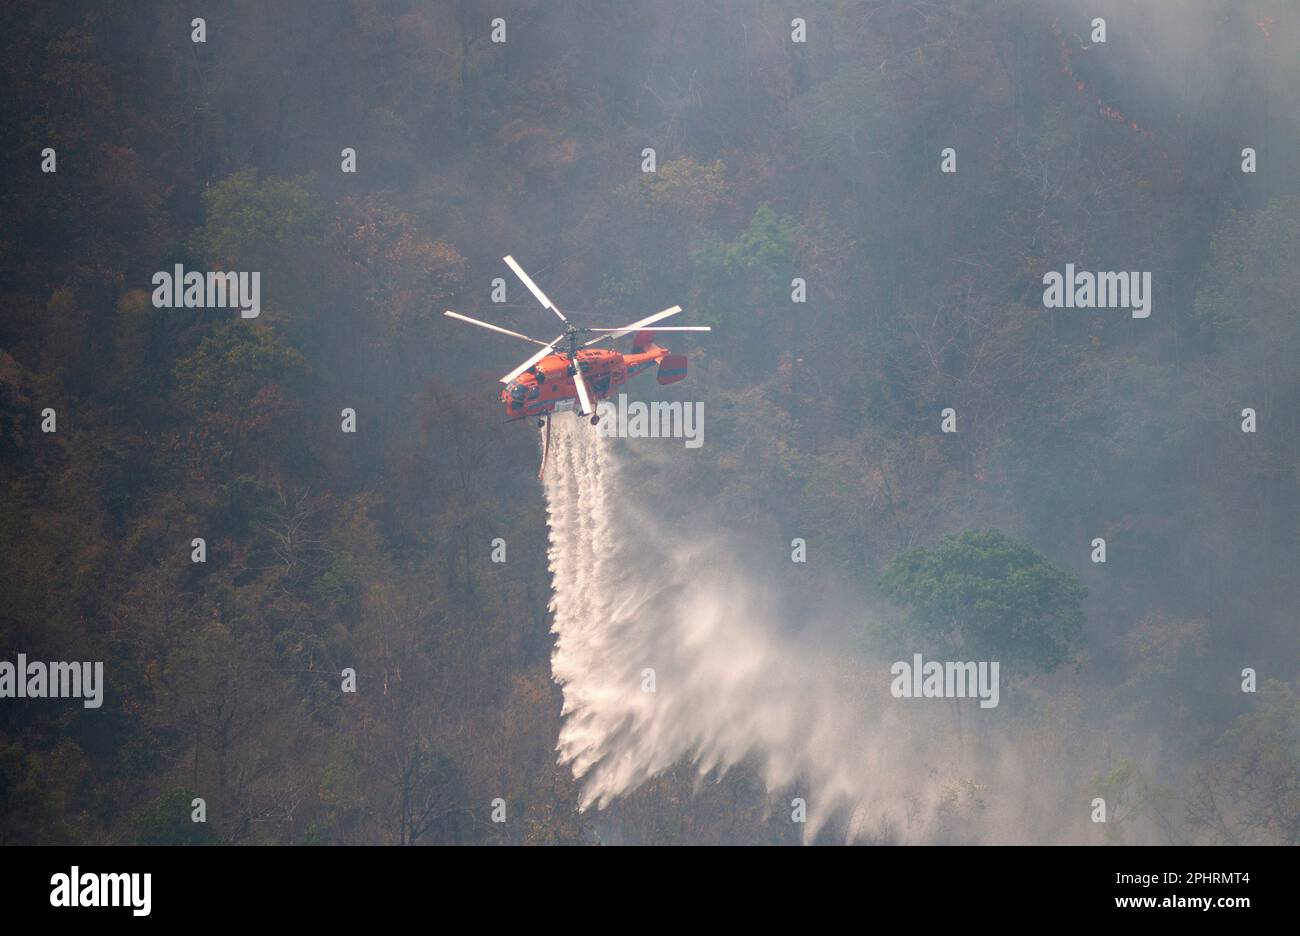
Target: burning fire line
<point x="1103" y="108"/>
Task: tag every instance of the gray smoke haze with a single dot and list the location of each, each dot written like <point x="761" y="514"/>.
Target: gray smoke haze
<point x="777" y="161"/>
<point x="753" y="673"/>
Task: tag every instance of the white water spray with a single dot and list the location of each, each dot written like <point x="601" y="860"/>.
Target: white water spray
<point x="635" y="601"/>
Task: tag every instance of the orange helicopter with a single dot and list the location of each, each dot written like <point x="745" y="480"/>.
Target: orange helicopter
<point x="556" y="380"/>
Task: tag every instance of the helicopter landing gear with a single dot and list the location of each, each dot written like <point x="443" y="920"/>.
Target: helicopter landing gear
<point x="594" y="419"/>
<point x="540" y="423"/>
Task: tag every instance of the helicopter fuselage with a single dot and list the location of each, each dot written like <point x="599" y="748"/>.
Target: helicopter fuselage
<point x="548" y="385"/>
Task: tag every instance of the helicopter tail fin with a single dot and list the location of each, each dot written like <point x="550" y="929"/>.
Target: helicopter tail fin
<point x="672" y="368"/>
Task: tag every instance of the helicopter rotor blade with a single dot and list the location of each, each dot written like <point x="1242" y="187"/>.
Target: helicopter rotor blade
<point x="547" y="349"/>
<point x="495" y="328"/>
<point x="533" y="287"/>
<point x="635" y="326"/>
<point x="583" y="399"/>
<point x="664" y="328"/>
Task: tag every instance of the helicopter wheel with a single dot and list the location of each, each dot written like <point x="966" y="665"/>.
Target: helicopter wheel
<point x="594" y="420"/>
<point x="540" y="423"/>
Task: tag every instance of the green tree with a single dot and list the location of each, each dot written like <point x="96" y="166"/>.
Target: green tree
<point x="848" y="119"/>
<point x="1249" y="792"/>
<point x="1249" y="283"/>
<point x="745" y="285"/>
<point x="256" y="225"/>
<point x="683" y="191"/>
<point x="239" y="386"/>
<point x="991" y="596"/>
<point x="168" y="821"/>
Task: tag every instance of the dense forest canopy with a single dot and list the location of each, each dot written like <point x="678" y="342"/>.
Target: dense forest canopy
<point x="775" y="160"/>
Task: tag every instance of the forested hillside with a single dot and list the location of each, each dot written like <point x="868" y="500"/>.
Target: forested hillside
<point x="775" y="160"/>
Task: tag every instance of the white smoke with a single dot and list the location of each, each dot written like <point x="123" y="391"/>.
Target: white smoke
<point x="631" y="595"/>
